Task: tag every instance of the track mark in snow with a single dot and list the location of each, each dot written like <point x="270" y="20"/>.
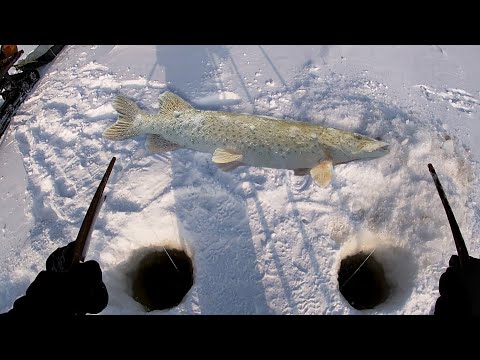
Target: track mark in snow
<point x="64" y="188"/>
<point x="457" y="98"/>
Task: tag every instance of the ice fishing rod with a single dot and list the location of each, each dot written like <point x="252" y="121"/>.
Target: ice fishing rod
<point x="462" y="251"/>
<point x="82" y="241"/>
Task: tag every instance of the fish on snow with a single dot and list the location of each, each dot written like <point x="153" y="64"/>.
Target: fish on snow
<point x="237" y="139"/>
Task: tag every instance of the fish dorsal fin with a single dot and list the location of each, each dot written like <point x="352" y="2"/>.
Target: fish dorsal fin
<point x="222" y="156"/>
<point x="322" y="173"/>
<point x="157" y="144"/>
<point x="171" y="103"/>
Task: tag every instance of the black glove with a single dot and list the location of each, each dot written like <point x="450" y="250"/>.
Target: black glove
<point x="76" y="291"/>
<point x="459" y="290"/>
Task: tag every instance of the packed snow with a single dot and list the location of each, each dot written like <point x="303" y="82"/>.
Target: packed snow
<point x="262" y="240"/>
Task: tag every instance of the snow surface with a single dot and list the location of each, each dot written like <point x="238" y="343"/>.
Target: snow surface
<point x="262" y="240"/>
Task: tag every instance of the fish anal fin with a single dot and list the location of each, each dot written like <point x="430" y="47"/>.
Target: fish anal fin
<point x="322" y="173"/>
<point x="157" y="144"/>
<point x="223" y="156"/>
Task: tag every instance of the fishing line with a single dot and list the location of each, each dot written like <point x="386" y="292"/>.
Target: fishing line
<point x="364" y="261"/>
<point x="166" y="252"/>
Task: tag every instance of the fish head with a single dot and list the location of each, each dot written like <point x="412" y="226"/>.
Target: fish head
<point x="368" y="148"/>
<point x="372" y="149"/>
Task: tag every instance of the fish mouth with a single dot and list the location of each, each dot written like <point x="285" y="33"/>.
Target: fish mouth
<point x="385" y="148"/>
<point x="379" y="147"/>
<point x="377" y="150"/>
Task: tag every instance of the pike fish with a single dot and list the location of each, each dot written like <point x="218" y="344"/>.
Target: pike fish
<point x="236" y="139"/>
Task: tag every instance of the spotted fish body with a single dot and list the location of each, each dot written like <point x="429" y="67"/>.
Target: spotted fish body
<point x="240" y="139"/>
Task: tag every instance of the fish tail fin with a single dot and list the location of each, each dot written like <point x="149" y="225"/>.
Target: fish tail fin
<point x="170" y="104"/>
<point x="126" y="126"/>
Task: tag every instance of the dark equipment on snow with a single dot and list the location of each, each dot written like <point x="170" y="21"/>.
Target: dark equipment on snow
<point x="42" y="55"/>
<point x="16" y="87"/>
<point x="462" y="251"/>
<point x="13" y="88"/>
<point x="7" y="61"/>
<point x="65" y="257"/>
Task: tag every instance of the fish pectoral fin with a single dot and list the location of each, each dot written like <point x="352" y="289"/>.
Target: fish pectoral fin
<point x="229" y="166"/>
<point x="222" y="156"/>
<point x="322" y="173"/>
<point x="157" y="144"/>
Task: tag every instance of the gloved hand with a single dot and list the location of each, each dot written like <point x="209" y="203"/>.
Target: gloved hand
<point x="459" y="291"/>
<point x="76" y="291"/>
